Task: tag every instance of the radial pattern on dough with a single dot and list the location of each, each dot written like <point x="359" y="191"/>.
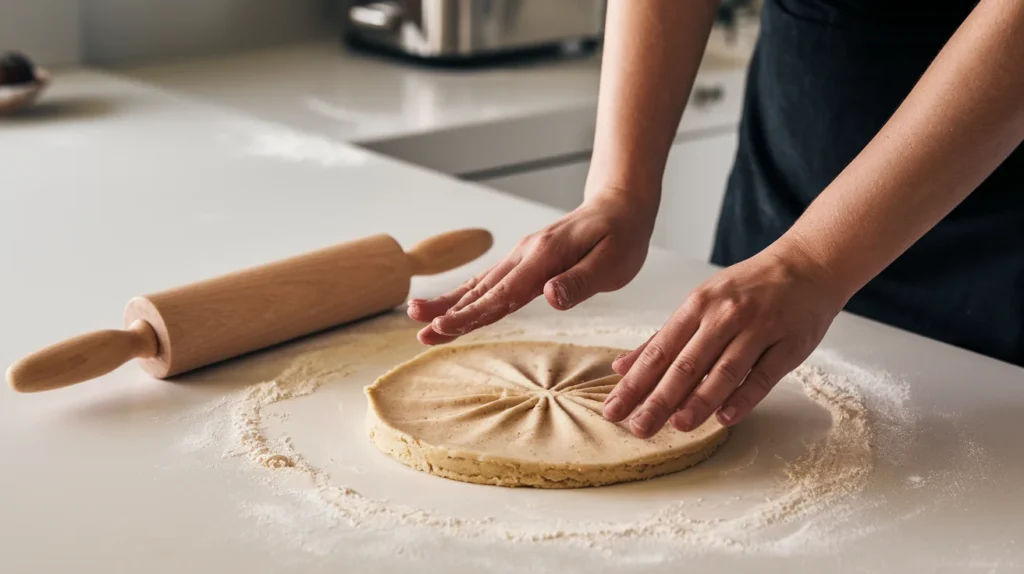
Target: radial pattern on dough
<point x="520" y="413"/>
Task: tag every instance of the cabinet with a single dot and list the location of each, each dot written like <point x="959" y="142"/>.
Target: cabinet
<point x="695" y="176"/>
<point x="559" y="186"/>
<point x="691" y="198"/>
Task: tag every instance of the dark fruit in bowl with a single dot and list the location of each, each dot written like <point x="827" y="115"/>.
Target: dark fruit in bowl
<point x="16" y="69"/>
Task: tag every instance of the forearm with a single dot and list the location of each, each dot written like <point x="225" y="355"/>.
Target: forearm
<point x="962" y="119"/>
<point x="652" y="50"/>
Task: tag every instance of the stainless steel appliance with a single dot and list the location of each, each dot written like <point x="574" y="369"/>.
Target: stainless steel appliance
<point x="468" y="29"/>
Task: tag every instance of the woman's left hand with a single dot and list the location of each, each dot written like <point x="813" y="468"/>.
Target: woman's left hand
<point x="743" y="329"/>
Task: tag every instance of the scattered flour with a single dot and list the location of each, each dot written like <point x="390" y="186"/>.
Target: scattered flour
<point x="272" y="141"/>
<point x="819" y="495"/>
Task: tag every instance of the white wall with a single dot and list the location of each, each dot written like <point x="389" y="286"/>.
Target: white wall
<point x="46" y="30"/>
<point x="109" y="32"/>
<point x="120" y="31"/>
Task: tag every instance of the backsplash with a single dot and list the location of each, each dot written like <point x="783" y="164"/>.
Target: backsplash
<point x="113" y="32"/>
<point x="123" y="31"/>
<point x="46" y="30"/>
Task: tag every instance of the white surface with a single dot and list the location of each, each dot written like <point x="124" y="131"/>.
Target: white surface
<point x="45" y="30"/>
<point x="454" y="121"/>
<point x="111" y="190"/>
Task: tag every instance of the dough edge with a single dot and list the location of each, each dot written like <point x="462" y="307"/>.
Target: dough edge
<point x="466" y="466"/>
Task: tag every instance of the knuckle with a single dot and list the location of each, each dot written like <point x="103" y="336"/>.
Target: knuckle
<point x="744" y="403"/>
<point x="653" y="356"/>
<point x="684" y="367"/>
<point x="543" y="240"/>
<point x="760" y="381"/>
<point x="728" y="371"/>
<point x="735" y="310"/>
<point x="698" y="299"/>
<point x="629" y="389"/>
<point x="699" y="404"/>
<point x="730" y="307"/>
<point x="477" y="291"/>
<point x="658" y="404"/>
<point x="499" y="290"/>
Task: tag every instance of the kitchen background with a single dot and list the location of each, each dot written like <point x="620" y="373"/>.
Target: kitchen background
<point x="525" y="129"/>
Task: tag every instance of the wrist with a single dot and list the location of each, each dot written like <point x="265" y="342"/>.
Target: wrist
<point x="616" y="172"/>
<point x="638" y="205"/>
<point x="806" y="258"/>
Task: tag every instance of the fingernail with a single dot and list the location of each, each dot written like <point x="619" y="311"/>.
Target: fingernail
<point x="643" y="422"/>
<point x="436" y="326"/>
<point x="561" y="295"/>
<point x="727" y="414"/>
<point x="620" y="357"/>
<point x="611" y="408"/>
<point x="685" y="419"/>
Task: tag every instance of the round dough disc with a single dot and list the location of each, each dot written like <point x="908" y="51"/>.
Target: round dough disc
<point x="520" y="414"/>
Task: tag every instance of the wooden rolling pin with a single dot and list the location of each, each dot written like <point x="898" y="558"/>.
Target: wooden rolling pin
<point x="199" y="324"/>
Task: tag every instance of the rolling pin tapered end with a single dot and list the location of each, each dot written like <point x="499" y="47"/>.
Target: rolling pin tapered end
<point x="447" y="251"/>
<point x="82" y="358"/>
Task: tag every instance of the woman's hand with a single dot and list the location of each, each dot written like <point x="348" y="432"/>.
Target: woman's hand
<point x="598" y="247"/>
<point x="744" y="329"/>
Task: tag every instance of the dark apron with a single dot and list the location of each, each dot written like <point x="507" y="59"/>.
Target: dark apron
<point x="823" y="80"/>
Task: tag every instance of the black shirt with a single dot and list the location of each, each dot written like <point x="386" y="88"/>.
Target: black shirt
<point x="825" y="77"/>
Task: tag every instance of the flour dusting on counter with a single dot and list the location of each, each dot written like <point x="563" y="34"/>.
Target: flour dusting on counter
<point x="812" y="505"/>
<point x="271" y="141"/>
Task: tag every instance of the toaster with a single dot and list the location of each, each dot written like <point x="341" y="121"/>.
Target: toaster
<point x="464" y="30"/>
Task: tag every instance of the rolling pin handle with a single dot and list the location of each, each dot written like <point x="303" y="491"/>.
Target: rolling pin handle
<point x="447" y="251"/>
<point x="82" y="358"/>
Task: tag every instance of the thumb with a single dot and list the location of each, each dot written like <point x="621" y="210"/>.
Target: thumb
<point x="581" y="281"/>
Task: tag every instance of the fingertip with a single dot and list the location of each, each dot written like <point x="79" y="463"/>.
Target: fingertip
<point x="438" y="325"/>
<point x="551" y="297"/>
<point x="675" y="424"/>
<point x="621" y="364"/>
<point x="619" y="368"/>
<point x="426" y="310"/>
<point x="683" y="421"/>
<point x="644" y="425"/>
<point x="558" y="296"/>
<point x="428" y="336"/>
<point x="449" y="325"/>
<point x="613" y="410"/>
<point x="416" y="312"/>
<point x="727" y="415"/>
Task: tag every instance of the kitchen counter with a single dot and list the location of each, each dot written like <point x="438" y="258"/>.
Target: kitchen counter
<point x="112" y="188"/>
<point x="458" y="121"/>
<point x="525" y="129"/>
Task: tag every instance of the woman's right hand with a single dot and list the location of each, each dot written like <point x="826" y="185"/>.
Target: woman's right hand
<point x="598" y="247"/>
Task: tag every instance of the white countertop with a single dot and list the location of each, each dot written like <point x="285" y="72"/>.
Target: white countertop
<point x="360" y="97"/>
<point x="351" y="96"/>
<point x="451" y="120"/>
<point x="112" y="189"/>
